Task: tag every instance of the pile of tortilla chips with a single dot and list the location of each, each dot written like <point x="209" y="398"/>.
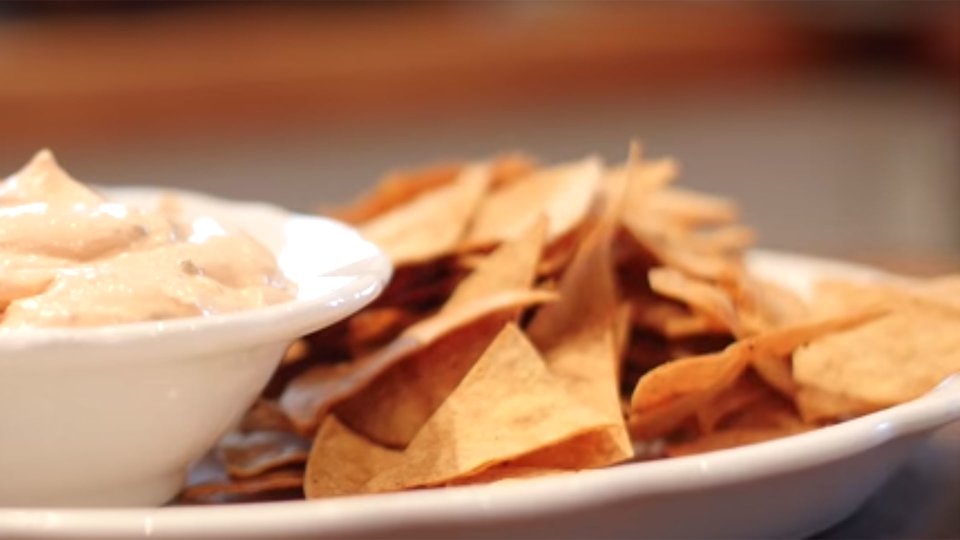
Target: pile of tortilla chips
<point x="550" y="319"/>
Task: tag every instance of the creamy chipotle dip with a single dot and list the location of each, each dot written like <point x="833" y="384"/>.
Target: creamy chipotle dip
<point x="68" y="257"/>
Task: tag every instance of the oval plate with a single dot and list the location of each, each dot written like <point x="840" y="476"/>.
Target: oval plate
<point x="788" y="487"/>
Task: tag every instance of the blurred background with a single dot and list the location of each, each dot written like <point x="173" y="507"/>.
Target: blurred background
<point x="836" y="125"/>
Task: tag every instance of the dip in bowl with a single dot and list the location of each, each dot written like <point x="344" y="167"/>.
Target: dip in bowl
<point x="104" y="406"/>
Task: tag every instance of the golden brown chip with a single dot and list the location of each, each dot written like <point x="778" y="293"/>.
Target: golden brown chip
<point x="256" y="488"/>
<point x="832" y="296"/>
<point x="374" y="327"/>
<point x="708" y="300"/>
<point x="888" y="361"/>
<point x="722" y="440"/>
<point x="763" y="305"/>
<point x="506" y="473"/>
<point x="449" y="378"/>
<point x="818" y="406"/>
<point x="726" y="240"/>
<point x="507" y="406"/>
<point x="431" y="225"/>
<point x="399" y="401"/>
<point x="252" y="454"/>
<point x="396" y="189"/>
<point x="692" y="208"/>
<point x="297" y="351"/>
<point x="395" y="405"/>
<point x="308" y="397"/>
<point x="511" y="266"/>
<point x="265" y="415"/>
<point x="646" y="180"/>
<point x="563" y="194"/>
<point x="341" y="462"/>
<point x="776" y="371"/>
<point x="671" y="393"/>
<point x="740" y="395"/>
<point x="772" y="411"/>
<point x="578" y="334"/>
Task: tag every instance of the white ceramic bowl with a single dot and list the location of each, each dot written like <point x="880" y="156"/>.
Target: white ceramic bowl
<point x="113" y="416"/>
<point x="786" y="488"/>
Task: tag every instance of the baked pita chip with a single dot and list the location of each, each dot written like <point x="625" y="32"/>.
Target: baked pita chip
<point x="888" y="361"/>
<point x="308" y="397"/>
<point x="431" y="225"/>
<point x="563" y="194"/>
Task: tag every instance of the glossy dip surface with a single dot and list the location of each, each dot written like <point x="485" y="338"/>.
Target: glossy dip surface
<point x="69" y="257"/>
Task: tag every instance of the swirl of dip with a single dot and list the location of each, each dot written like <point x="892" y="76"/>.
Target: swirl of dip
<point x="70" y="258"/>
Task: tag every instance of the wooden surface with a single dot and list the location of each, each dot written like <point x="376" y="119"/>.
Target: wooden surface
<point x="99" y="77"/>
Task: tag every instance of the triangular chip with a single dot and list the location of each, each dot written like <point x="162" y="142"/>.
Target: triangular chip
<point x="819" y="406"/>
<point x="398" y="402"/>
<point x="431" y="225"/>
<point x="258" y="488"/>
<point x="395" y="189"/>
<point x="563" y="194"/>
<point x="732" y="438"/>
<point x="747" y="390"/>
<point x="668" y="395"/>
<point x="776" y="371"/>
<point x="246" y="455"/>
<point x="578" y="336"/>
<point x="341" y="462"/>
<point x="507" y="406"/>
<point x="308" y="397"/>
<point x="709" y="300"/>
<point x="889" y="361"/>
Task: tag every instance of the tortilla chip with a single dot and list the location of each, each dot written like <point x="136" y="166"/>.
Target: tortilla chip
<point x="578" y="334"/>
<point x="667" y="396"/>
<point x="511" y="266"/>
<point x="743" y="393"/>
<point x="341" y="462"/>
<point x="510" y="168"/>
<point x="776" y="371"/>
<point x="722" y="440"/>
<point x="398" y="402"/>
<point x="726" y="240"/>
<point x="670" y="394"/>
<point x="265" y="487"/>
<point x="372" y="328"/>
<point x="297" y="351"/>
<point x="396" y="189"/>
<point x="763" y="305"/>
<point x="832" y="296"/>
<point x="561" y="251"/>
<point x="710" y="266"/>
<point x="708" y="300"/>
<point x="647" y="178"/>
<point x="692" y="208"/>
<point x="252" y="454"/>
<point x="394" y="406"/>
<point x="507" y="406"/>
<point x="431" y="225"/>
<point x="563" y="194"/>
<point x="507" y="473"/>
<point x="889" y="361"/>
<point x="307" y="398"/>
<point x="771" y="411"/>
<point x="265" y="415"/>
<point x="818" y="406"/>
